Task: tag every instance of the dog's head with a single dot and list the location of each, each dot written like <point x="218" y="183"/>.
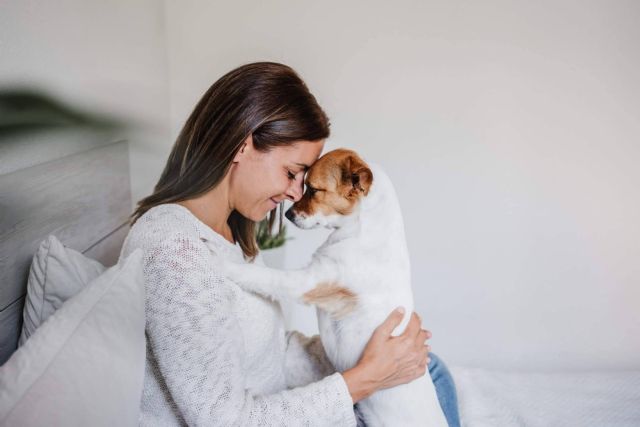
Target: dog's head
<point x="335" y="183"/>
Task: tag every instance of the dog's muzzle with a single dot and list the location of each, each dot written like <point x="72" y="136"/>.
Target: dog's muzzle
<point x="290" y="214"/>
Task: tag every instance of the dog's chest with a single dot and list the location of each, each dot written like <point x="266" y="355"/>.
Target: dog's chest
<point x="365" y="267"/>
<point x="342" y="340"/>
<point x="381" y="283"/>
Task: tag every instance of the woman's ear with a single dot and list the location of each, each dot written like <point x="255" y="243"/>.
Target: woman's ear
<point x="243" y="148"/>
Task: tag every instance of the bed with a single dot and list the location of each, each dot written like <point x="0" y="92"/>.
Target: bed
<point x="536" y="399"/>
<point x="77" y="189"/>
<point x="79" y="192"/>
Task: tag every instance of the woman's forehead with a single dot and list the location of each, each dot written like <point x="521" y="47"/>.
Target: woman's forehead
<point x="302" y="154"/>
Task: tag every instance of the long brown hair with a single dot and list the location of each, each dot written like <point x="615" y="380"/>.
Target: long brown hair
<point x="264" y="99"/>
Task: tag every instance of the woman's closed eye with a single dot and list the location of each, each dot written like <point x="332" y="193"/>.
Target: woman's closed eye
<point x="291" y="175"/>
<point x="294" y="175"/>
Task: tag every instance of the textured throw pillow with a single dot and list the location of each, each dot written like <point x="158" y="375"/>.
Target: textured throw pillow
<point x="57" y="273"/>
<point x="84" y="366"/>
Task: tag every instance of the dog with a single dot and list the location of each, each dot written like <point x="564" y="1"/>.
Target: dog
<point x="355" y="279"/>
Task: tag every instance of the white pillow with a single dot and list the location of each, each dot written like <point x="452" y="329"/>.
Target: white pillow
<point x="85" y="364"/>
<point x="57" y="273"/>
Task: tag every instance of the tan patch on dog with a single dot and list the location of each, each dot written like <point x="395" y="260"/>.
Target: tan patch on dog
<point x="332" y="298"/>
<point x="335" y="184"/>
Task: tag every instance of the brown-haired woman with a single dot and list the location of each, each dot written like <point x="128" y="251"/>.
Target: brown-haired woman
<point x="217" y="355"/>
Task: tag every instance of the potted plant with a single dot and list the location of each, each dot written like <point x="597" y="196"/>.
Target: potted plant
<point x="24" y="110"/>
<point x="271" y="244"/>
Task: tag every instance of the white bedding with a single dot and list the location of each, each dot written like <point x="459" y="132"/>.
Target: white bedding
<point x="499" y="398"/>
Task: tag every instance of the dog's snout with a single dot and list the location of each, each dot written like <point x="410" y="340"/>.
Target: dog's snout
<point x="290" y="214"/>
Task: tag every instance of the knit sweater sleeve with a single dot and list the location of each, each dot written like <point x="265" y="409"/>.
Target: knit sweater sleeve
<point x="197" y="343"/>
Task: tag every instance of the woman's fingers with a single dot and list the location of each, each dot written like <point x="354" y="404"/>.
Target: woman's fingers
<point x="422" y="338"/>
<point x="426" y="361"/>
<point x="410" y="373"/>
<point x="391" y="322"/>
<point x="424" y="352"/>
<point x="413" y="327"/>
<point x="428" y="350"/>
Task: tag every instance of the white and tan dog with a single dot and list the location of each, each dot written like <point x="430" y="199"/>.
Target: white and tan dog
<point x="356" y="278"/>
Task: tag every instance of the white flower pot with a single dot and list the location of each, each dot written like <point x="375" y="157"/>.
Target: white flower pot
<point x="274" y="258"/>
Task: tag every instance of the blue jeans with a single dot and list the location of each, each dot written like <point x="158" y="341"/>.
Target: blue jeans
<point x="445" y="390"/>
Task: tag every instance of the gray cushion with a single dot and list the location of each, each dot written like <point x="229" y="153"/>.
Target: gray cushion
<point x="57" y="273"/>
<point x="85" y="364"/>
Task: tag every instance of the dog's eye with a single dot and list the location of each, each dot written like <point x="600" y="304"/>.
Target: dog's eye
<point x="311" y="190"/>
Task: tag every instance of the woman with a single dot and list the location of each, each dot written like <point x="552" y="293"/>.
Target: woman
<point x="217" y="355"/>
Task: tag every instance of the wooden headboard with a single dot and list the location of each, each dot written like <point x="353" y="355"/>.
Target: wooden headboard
<point x="75" y="188"/>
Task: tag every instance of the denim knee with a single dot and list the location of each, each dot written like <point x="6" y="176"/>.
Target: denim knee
<point x="445" y="389"/>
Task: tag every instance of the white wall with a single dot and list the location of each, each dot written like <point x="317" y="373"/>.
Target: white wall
<point x="509" y="128"/>
<point x="511" y="132"/>
<point x="107" y="57"/>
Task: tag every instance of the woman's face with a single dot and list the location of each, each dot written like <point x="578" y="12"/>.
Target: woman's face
<point x="260" y="181"/>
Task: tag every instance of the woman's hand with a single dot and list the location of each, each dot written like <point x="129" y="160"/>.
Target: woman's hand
<point x="389" y="361"/>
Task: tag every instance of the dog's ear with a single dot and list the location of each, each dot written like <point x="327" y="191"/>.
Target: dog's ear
<point x="357" y="175"/>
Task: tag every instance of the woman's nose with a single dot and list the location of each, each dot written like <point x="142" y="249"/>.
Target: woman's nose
<point x="294" y="192"/>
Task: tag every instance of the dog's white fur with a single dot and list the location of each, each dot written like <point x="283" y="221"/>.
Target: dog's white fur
<point x="366" y="253"/>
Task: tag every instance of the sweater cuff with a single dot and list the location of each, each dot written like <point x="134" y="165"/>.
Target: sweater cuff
<point x="345" y="415"/>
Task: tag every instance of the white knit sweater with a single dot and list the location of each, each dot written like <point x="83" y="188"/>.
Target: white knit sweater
<point x="216" y="354"/>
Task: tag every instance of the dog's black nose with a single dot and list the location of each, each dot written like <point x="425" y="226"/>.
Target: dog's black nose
<point x="289" y="214"/>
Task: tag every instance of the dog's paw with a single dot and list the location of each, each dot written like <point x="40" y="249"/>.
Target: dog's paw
<point x="337" y="300"/>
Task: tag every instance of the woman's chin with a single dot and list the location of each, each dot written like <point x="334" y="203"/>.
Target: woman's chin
<point x="259" y="216"/>
<point x="255" y="215"/>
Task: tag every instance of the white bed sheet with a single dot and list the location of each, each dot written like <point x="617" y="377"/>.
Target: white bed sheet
<point x="500" y="398"/>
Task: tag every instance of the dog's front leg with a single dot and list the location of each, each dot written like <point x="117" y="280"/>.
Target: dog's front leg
<point x="314" y="285"/>
<point x="269" y="282"/>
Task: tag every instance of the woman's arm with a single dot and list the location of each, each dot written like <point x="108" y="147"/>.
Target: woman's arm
<point x="386" y="361"/>
<point x="197" y="343"/>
